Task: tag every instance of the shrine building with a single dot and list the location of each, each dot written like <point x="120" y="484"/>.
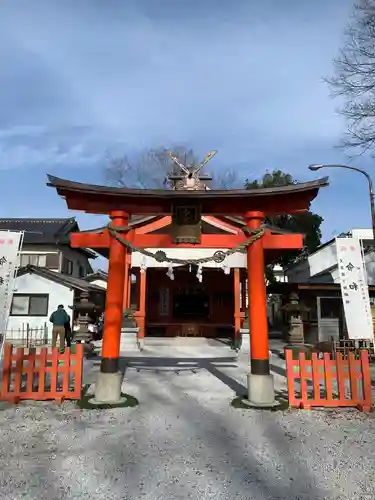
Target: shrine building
<point x="189" y="261"/>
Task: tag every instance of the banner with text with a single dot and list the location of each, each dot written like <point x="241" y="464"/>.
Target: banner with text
<point x="354" y="289"/>
<point x="10" y="243"/>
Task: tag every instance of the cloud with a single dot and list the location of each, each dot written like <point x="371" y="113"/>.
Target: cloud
<point x="79" y="79"/>
<point x="244" y="79"/>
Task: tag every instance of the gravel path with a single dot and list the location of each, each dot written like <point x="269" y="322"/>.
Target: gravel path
<point x="184" y="441"/>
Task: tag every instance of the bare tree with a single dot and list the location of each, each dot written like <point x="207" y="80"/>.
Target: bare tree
<point x="151" y="167"/>
<point x="227" y="180"/>
<point x="354" y="77"/>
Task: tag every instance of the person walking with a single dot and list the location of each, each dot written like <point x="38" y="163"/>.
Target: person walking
<point x="59" y="318"/>
<point x="68" y="333"/>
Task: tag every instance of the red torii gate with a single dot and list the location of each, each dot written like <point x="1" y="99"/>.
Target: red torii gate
<point x="252" y="205"/>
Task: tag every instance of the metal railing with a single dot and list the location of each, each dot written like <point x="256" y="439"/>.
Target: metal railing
<point x="27" y="336"/>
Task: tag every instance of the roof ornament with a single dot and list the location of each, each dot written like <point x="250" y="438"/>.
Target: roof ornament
<point x="190" y="178"/>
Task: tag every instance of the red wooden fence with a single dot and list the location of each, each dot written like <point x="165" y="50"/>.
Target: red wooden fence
<point x="58" y="376"/>
<point x="329" y="382"/>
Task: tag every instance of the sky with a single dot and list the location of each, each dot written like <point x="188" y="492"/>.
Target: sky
<point x="84" y="79"/>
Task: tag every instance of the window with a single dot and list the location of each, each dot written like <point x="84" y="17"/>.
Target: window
<point x="29" y="305"/>
<point x="330" y="307"/>
<point x="70" y="267"/>
<point x="33" y="259"/>
<point x="164" y="302"/>
<point x="67" y="266"/>
<point x="133" y="291"/>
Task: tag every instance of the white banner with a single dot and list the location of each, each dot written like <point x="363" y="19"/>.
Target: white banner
<point x="10" y="243"/>
<point x="354" y="289"/>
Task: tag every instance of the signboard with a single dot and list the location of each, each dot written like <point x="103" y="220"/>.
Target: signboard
<point x="354" y="290"/>
<point x="10" y="243"/>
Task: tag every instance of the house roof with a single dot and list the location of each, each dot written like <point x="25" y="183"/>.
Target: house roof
<point x="45" y="231"/>
<point x="99" y="274"/>
<point x="288" y="287"/>
<point x="367" y="248"/>
<point x="102" y="199"/>
<point x="41" y="230"/>
<point x="63" y="279"/>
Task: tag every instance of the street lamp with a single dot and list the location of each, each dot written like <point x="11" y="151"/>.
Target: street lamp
<point x="318" y="166"/>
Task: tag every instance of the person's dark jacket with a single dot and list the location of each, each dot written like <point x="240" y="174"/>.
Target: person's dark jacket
<point x="59" y="318"/>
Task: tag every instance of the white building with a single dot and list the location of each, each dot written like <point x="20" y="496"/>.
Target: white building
<point x="50" y="273"/>
<point x="316" y="279"/>
<point x="38" y="292"/>
<point x="98" y="278"/>
<point x="322" y="267"/>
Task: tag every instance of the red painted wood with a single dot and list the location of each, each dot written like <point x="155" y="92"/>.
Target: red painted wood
<point x="366" y="381"/>
<point x="258" y="320"/>
<point x="65" y="368"/>
<point x="30" y="369"/>
<point x="41" y="364"/>
<point x="340" y="373"/>
<point x="99" y="203"/>
<point x="54" y="368"/>
<point x="270" y="241"/>
<point x="314" y="365"/>
<point x="115" y="291"/>
<point x="350" y="369"/>
<point x="237" y="302"/>
<point x="328" y="373"/>
<point x="304" y="377"/>
<point x="353" y="376"/>
<point x="18" y="371"/>
<point x="155" y="225"/>
<point x="291" y="365"/>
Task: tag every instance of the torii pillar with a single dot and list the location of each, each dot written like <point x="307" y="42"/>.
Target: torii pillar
<point x="260" y="382"/>
<point x="108" y="384"/>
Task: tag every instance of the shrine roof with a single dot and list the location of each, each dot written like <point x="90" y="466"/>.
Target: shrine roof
<point x="101" y="199"/>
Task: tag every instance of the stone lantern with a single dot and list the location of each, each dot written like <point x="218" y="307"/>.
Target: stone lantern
<point x="85" y="308"/>
<point x="294" y="310"/>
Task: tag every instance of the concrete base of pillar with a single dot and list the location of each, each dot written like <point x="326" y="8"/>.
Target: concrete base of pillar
<point x="261" y="390"/>
<point x="245" y="344"/>
<point x="129" y="340"/>
<point x="108" y="389"/>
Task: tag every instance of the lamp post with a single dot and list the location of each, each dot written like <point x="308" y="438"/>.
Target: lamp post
<point x="318" y="166"/>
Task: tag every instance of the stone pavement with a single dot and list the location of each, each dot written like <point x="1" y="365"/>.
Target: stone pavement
<point x="184" y="440"/>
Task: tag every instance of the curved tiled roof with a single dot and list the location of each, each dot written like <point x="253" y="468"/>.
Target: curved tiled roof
<point x="102" y="199"/>
<point x="67" y="185"/>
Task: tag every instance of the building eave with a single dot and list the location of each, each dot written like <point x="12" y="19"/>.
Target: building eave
<point x="62" y="279"/>
<point x="102" y="199"/>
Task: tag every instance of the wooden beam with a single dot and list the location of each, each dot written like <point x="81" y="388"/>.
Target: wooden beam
<point x="224" y="226"/>
<point x="154" y="226"/>
<point x="270" y="241"/>
<point x="167" y="221"/>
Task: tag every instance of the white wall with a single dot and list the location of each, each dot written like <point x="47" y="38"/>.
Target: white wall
<point x="362" y="234"/>
<point x="32" y="284"/>
<point x="235" y="260"/>
<point x="99" y="282"/>
<point x="318" y="262"/>
<point x="370" y="270"/>
<point x="325" y="261"/>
